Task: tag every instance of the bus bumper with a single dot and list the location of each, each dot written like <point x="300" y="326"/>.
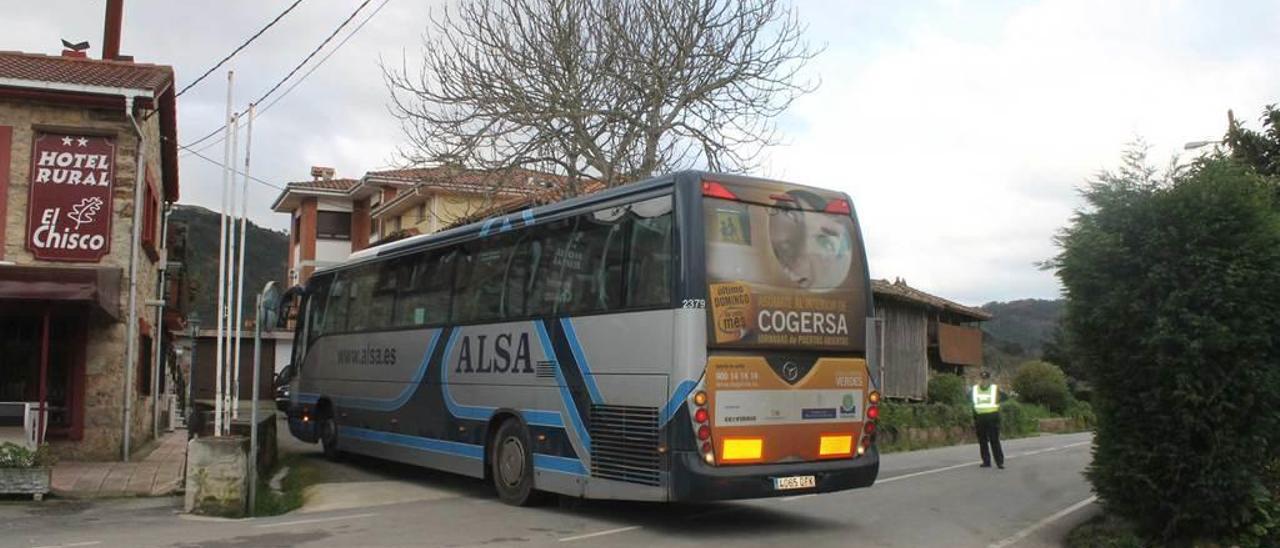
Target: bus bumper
<point x="694" y="480"/>
<point x="300" y="429"/>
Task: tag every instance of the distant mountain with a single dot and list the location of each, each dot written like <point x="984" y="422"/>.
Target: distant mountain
<point x="1027" y="323"/>
<point x="1018" y="330"/>
<point x="266" y="252"/>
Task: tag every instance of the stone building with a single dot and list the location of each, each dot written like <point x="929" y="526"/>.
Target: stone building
<point x="88" y="162"/>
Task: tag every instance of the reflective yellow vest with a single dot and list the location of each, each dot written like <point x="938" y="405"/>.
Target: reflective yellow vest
<point x="984" y="401"/>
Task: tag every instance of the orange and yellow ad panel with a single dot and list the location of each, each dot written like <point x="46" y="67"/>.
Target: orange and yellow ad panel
<point x="784" y="413"/>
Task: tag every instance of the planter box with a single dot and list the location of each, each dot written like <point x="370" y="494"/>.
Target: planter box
<point x="25" y="481"/>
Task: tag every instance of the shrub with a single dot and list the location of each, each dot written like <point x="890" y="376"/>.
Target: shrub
<point x="1042" y="383"/>
<point x="1081" y="412"/>
<point x="1171" y="289"/>
<point x="13" y="455"/>
<point x="948" y="389"/>
<point x="1019" y="420"/>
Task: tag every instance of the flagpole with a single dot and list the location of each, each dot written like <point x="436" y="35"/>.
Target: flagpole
<point x="232" y="329"/>
<point x="244" y="207"/>
<point x="222" y="263"/>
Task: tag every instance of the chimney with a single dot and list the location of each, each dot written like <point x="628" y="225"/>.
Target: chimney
<point x="111" y="29"/>
<point x="320" y="173"/>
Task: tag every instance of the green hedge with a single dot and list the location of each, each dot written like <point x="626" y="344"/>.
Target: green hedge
<point x="896" y="419"/>
<point x="948" y="389"/>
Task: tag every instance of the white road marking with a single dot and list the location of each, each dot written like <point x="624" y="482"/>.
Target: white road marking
<point x="601" y="533"/>
<point x="1046" y="521"/>
<point x="70" y="545"/>
<point x="926" y="472"/>
<point x="971" y="463"/>
<point x="314" y="520"/>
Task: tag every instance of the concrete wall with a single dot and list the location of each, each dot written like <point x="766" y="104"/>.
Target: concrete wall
<point x="104" y="368"/>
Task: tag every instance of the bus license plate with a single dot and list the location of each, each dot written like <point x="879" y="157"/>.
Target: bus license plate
<point x="793" y="482"/>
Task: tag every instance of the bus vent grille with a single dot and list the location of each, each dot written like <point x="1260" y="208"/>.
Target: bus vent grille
<point x="624" y="444"/>
<point x="545" y="370"/>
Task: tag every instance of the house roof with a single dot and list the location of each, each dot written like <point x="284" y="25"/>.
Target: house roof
<point x="515" y="181"/>
<point x="899" y="290"/>
<point x="98" y="83"/>
<point x="84" y="71"/>
<point x="292" y="194"/>
<point x="541" y="197"/>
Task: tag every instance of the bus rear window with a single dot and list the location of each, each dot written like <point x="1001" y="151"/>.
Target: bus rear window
<point x="782" y="276"/>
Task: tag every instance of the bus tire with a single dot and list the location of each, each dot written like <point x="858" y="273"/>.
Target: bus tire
<point x="329" y="437"/>
<point x="511" y="464"/>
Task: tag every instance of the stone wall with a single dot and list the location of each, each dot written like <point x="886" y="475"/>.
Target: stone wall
<point x="106" y="346"/>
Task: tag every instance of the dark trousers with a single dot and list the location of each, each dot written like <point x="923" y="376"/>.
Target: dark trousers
<point x="988" y="425"/>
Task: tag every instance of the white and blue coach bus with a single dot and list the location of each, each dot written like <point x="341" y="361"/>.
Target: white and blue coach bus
<point x="694" y="336"/>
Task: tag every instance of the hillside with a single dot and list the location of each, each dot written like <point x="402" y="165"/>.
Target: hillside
<point x="1018" y="330"/>
<point x="265" y="254"/>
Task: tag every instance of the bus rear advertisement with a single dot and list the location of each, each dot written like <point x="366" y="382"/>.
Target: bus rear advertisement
<point x="695" y="336"/>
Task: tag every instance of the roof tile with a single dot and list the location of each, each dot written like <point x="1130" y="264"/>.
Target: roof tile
<point x="83" y="71"/>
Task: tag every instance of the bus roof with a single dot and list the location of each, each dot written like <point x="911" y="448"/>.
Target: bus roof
<point x="529" y="216"/>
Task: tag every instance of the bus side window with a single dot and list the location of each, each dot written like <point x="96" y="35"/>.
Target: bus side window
<point x="518" y="280"/>
<point x="649" y="254"/>
<point x="363" y="309"/>
<point x="547" y="287"/>
<point x="595" y="281"/>
<point x="337" y="304"/>
<point x="317" y="303"/>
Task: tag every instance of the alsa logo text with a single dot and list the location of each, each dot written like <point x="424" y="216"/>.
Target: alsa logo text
<point x="498" y="354"/>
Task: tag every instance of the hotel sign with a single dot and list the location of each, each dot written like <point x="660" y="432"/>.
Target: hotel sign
<point x="69" y="207"/>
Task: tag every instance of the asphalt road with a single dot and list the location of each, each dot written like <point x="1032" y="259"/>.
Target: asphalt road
<point x="927" y="498"/>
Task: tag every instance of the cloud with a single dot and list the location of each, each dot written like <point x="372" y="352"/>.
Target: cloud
<point x="963" y="150"/>
<point x="961" y="129"/>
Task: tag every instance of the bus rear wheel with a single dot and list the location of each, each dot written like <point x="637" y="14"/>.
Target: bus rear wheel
<point x="511" y="464"/>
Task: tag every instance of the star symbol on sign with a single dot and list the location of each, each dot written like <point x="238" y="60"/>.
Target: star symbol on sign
<point x="82" y="142"/>
<point x="66" y="141"/>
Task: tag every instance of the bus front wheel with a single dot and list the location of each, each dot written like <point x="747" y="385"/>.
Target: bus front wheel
<point x="329" y="437"/>
<point x="511" y="464"/>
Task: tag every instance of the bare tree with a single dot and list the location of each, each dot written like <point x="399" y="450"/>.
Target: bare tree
<point x="612" y="90"/>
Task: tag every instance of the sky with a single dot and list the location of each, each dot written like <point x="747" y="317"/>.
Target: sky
<point x="962" y="130"/>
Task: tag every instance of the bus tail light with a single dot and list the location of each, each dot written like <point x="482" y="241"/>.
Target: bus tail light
<point x="717" y="190"/>
<point x="839" y="205"/>
<point x="870" y="427"/>
<point x="741" y="449"/>
<point x="704" y="432"/>
<point x="701" y="415"/>
<point x="874" y="397"/>
<point x="873" y="412"/>
<point x="835" y="445"/>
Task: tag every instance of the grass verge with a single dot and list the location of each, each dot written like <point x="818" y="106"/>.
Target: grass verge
<point x="1103" y="532"/>
<point x="301" y="474"/>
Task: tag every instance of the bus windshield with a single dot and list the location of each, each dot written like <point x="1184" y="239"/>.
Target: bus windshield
<point x="787" y="275"/>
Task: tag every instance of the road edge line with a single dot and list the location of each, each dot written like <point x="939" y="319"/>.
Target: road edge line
<point x="1042" y="523"/>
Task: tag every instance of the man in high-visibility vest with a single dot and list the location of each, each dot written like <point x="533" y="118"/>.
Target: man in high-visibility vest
<point x="986" y="418"/>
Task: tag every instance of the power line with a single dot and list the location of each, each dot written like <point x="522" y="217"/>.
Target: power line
<point x="295" y="70"/>
<point x="234" y="170"/>
<point x="240" y="47"/>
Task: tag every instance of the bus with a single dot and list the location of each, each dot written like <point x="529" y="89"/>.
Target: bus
<point x="695" y="336"/>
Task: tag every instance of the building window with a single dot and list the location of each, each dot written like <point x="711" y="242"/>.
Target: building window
<point x="333" y="225"/>
<point x="422" y="213"/>
<point x="150" y="216"/>
<point x="144" y="366"/>
<point x="297" y="228"/>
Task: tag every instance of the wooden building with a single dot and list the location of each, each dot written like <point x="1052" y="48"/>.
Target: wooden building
<point x="919" y="333"/>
